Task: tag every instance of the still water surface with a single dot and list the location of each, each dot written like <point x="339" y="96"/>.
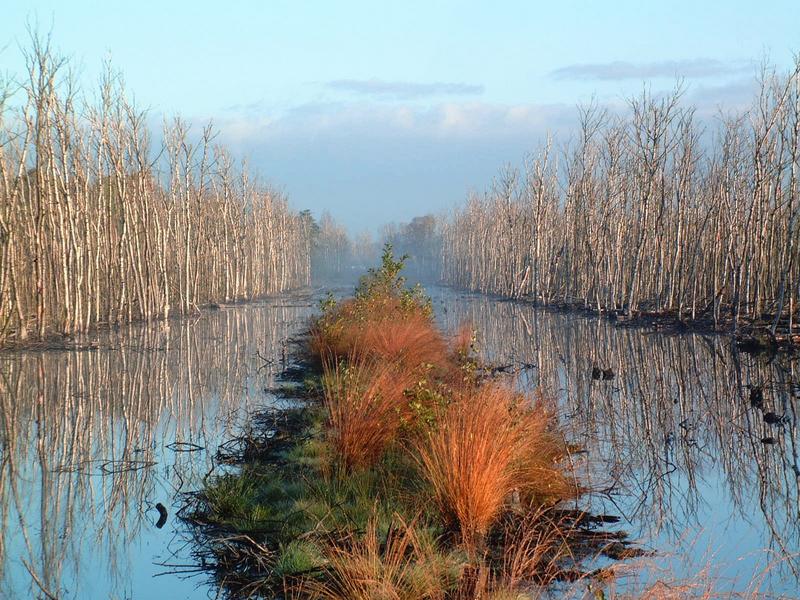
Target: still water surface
<point x="90" y="441"/>
<point x="673" y="445"/>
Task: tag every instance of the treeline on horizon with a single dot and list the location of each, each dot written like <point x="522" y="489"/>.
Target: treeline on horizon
<point x="100" y="225"/>
<point x="338" y="257"/>
<point x="650" y="210"/>
<point x="640" y="215"/>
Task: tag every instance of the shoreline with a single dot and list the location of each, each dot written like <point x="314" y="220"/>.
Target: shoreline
<point x="751" y="338"/>
<point x="87" y="341"/>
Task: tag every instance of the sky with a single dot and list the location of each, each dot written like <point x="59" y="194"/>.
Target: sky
<point x="378" y="111"/>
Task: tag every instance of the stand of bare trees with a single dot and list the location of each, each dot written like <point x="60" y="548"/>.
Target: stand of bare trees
<point x="98" y="224"/>
<point x="332" y="253"/>
<point x="649" y="212"/>
<point x="419" y="239"/>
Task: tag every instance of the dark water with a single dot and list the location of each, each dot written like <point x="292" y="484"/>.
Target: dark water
<point x="674" y="445"/>
<point x="90" y="441"/>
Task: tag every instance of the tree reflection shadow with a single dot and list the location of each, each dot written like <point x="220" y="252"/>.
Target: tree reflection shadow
<point x="90" y="440"/>
<point x="674" y="437"/>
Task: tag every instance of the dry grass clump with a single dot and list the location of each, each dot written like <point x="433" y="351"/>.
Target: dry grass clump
<point x="468" y="461"/>
<point x="410" y="424"/>
<point x="411" y="341"/>
<point x="405" y="567"/>
<point x="489" y="443"/>
<point x="388" y="329"/>
<point x="532" y="548"/>
<point x="383" y="320"/>
<point x="365" y="404"/>
<point x="463" y="341"/>
<point x="479" y="449"/>
<point x="679" y="591"/>
<point x="540" y="477"/>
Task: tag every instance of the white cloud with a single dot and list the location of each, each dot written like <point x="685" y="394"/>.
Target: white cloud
<point x="403" y="90"/>
<point x="372" y="162"/>
<point x="444" y="120"/>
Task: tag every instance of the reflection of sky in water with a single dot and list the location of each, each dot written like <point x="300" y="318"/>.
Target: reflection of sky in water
<point x="672" y="435"/>
<point x="65" y="415"/>
<point x="672" y="438"/>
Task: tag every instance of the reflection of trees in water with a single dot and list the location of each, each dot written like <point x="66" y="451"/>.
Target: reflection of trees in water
<point x="85" y="437"/>
<point x="674" y="424"/>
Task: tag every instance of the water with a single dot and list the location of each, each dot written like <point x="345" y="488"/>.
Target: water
<point x="91" y="440"/>
<point x="673" y="445"/>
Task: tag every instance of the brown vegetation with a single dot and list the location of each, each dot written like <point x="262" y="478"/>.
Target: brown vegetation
<point x="489" y="443"/>
<point x="482" y="448"/>
<point x="418" y="476"/>
<point x="364" y="404"/>
<point x="403" y="567"/>
<point x="385" y="329"/>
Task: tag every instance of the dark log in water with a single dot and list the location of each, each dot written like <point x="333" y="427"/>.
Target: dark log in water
<point x="162" y="515"/>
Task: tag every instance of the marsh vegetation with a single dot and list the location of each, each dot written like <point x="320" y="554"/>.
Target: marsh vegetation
<point x="405" y="466"/>
<point x="91" y="440"/>
<point x="408" y="471"/>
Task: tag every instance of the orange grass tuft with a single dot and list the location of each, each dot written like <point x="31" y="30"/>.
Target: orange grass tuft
<point x="382" y="328"/>
<point x="365" y="406"/>
<point x="404" y="568"/>
<point x="412" y="341"/>
<point x="489" y="443"/>
<point x="540" y="478"/>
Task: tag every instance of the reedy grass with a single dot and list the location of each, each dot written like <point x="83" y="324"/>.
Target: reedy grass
<point x="410" y="342"/>
<point x="412" y="475"/>
<point x="397" y="485"/>
<point x="390" y="330"/>
<point x="364" y="402"/>
<point x="402" y="565"/>
<point x="489" y="443"/>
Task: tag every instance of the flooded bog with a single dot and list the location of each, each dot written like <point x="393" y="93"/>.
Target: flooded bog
<point x="91" y="441"/>
<point x="691" y="443"/>
<point x="676" y="440"/>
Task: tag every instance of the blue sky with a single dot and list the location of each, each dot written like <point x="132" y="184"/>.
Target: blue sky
<point x="378" y="112"/>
